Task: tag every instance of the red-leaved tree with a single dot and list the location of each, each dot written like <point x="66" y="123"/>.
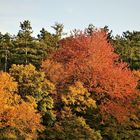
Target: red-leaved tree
<point x="92" y="61"/>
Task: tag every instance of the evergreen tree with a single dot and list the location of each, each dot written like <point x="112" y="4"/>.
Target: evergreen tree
<point x="26" y="48"/>
<point x="5" y="51"/>
<point x="128" y="47"/>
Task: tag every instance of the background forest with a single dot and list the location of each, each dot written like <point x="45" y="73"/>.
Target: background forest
<point x="83" y="86"/>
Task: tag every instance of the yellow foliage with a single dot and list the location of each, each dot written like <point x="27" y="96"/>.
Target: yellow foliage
<point x="78" y="98"/>
<point x="137" y="73"/>
<point x="16" y="116"/>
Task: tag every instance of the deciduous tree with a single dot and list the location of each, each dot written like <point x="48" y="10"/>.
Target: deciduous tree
<point x="91" y="60"/>
<point x="18" y="119"/>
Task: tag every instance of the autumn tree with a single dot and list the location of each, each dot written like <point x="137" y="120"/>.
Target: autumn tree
<point x="33" y="86"/>
<point x="91" y="60"/>
<point x="78" y="99"/>
<point x="31" y="82"/>
<point x="18" y="119"/>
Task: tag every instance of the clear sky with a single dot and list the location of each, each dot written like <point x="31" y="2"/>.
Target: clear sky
<point x="119" y="15"/>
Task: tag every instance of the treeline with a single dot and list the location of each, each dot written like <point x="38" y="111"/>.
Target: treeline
<point x="23" y="48"/>
<point x="81" y="87"/>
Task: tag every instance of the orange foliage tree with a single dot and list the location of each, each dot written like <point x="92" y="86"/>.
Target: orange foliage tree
<point x="18" y="119"/>
<point x="92" y="61"/>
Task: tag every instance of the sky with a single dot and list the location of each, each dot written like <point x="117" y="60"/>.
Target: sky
<point x="119" y="15"/>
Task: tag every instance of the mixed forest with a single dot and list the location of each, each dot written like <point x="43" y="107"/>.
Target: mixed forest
<point x="82" y="86"/>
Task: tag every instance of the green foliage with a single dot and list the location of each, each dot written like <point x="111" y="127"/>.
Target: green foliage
<point x="128" y="47"/>
<point x="5" y="51"/>
<point x="25" y="32"/>
<point x="34" y="88"/>
<point x="47" y="42"/>
<point x="26" y="49"/>
<point x="73" y="128"/>
<point x="47" y="38"/>
<point x="58" y="27"/>
<point x="32" y="82"/>
<point x="125" y="131"/>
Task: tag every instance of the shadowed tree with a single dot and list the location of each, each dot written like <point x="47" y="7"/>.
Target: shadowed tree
<point x="5" y="51"/>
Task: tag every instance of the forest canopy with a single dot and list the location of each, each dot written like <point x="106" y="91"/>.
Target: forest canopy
<point x="83" y="86"/>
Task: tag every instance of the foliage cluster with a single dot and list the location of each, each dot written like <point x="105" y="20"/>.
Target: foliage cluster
<point x="82" y="87"/>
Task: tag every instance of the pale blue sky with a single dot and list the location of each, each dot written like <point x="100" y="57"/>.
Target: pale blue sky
<point x="119" y="15"/>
